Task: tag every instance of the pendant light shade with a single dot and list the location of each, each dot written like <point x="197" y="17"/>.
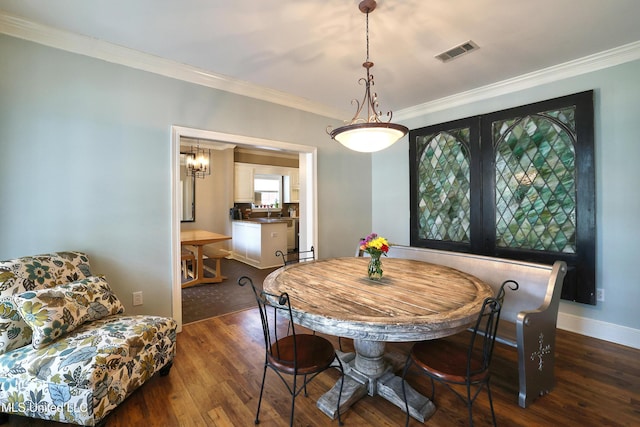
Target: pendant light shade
<point x="368" y="134"/>
<point x="368" y="137"/>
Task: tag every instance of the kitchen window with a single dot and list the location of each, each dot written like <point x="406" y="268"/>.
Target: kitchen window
<point x="267" y="190"/>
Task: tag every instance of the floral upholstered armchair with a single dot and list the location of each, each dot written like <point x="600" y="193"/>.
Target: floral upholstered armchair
<point x="67" y="351"/>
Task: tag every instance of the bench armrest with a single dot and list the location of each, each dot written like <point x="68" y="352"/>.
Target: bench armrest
<point x="547" y="313"/>
<point x="536" y="336"/>
<point x="554" y="287"/>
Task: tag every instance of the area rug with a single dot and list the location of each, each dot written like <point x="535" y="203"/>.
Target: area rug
<point x="215" y="299"/>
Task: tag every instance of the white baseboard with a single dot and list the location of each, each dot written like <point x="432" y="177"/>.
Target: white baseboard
<point x="601" y="330"/>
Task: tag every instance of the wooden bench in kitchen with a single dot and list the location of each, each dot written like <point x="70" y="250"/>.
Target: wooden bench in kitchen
<point x="187" y="258"/>
<point x="217" y="254"/>
<point x="529" y="315"/>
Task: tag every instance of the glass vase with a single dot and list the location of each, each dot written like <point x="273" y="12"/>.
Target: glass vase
<point x="375" y="267"/>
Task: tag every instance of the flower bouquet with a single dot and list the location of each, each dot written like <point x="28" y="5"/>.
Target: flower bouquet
<point x="375" y="246"/>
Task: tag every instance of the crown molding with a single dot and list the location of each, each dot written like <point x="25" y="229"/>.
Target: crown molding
<point x="619" y="55"/>
<point x="95" y="48"/>
<point x="71" y="42"/>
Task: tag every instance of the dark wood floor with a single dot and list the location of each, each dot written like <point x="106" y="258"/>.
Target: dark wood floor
<point x="216" y="377"/>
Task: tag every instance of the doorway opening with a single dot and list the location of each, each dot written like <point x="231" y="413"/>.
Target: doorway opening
<point x="308" y="233"/>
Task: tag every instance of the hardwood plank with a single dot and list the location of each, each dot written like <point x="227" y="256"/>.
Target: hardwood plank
<point x="215" y="381"/>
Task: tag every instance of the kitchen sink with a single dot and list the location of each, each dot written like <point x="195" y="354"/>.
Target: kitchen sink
<point x="270" y="220"/>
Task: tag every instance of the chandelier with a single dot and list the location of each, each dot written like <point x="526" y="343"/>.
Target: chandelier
<point x="198" y="162"/>
<point x="371" y="133"/>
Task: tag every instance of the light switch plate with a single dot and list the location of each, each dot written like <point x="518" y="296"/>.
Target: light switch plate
<point x="137" y="298"/>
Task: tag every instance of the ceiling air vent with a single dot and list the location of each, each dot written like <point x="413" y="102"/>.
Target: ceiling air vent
<point x="457" y="51"/>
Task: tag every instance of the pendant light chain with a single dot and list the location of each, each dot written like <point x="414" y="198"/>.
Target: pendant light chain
<point x="368" y="134"/>
<point x="367" y="20"/>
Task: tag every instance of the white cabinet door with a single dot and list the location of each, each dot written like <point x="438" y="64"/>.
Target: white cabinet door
<point x="254" y="244"/>
<point x="247" y="242"/>
<point x="239" y="239"/>
<point x="286" y="188"/>
<point x="292" y="186"/>
<point x="243" y="183"/>
<point x="295" y="177"/>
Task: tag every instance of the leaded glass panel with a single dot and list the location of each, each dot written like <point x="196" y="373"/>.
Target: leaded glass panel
<point x="535" y="181"/>
<point x="444" y="186"/>
<point x="522" y="180"/>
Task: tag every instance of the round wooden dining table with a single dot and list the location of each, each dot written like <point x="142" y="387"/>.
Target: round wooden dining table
<point x="413" y="301"/>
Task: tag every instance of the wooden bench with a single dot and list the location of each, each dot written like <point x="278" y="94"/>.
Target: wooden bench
<point x="217" y="254"/>
<point x="187" y="258"/>
<point x="529" y="315"/>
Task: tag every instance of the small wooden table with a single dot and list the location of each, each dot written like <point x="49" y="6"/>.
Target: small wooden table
<point x="414" y="301"/>
<point x="200" y="238"/>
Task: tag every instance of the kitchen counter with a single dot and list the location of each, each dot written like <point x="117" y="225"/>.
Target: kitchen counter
<point x="256" y="240"/>
<point x="262" y="220"/>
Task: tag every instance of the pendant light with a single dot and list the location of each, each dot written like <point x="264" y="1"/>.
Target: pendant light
<point x="198" y="162"/>
<point x="371" y="133"/>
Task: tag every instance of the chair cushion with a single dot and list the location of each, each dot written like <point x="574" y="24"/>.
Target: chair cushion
<point x="54" y="312"/>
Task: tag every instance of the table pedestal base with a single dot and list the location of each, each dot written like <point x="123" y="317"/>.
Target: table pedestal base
<point x="370" y="371"/>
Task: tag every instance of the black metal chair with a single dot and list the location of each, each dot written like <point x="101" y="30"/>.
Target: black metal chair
<point x="455" y="364"/>
<point x="290" y="353"/>
<point x="513" y="285"/>
<point x="299" y="256"/>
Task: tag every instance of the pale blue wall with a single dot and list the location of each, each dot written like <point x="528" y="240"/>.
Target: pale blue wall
<point x="85" y="163"/>
<point x="617" y="139"/>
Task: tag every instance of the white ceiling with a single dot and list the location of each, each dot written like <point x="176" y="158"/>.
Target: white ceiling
<point x="314" y="49"/>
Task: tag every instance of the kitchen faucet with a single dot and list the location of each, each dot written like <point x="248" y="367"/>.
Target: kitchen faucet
<point x="268" y="211"/>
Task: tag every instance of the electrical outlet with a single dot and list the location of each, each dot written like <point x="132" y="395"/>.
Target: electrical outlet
<point x="137" y="298"/>
<point x="599" y="294"/>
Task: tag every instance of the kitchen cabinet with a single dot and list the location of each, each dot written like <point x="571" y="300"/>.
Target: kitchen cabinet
<point x="256" y="242"/>
<point x="243" y="183"/>
<point x="292" y="186"/>
<point x="295" y="177"/>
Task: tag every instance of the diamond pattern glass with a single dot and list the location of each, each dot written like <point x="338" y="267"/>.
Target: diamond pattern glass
<point x="444" y="186"/>
<point x="535" y="176"/>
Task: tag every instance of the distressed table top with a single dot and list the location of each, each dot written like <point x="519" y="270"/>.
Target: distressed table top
<point x="413" y="301"/>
